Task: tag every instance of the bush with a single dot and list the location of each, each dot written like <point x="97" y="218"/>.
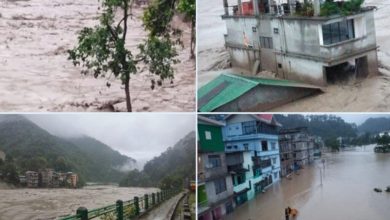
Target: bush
<point x="346" y="8"/>
<point x="306" y="10"/>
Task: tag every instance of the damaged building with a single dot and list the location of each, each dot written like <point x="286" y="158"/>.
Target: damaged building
<point x="314" y="49"/>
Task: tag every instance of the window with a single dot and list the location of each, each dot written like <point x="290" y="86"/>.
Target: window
<point x="249" y="127"/>
<point x="254" y="29"/>
<point x="214" y="161"/>
<point x="220" y="185"/>
<point x="279" y="65"/>
<point x="275" y="175"/>
<point x="273" y="145"/>
<point x="264" y="145"/>
<point x="266" y="42"/>
<point x="256" y="172"/>
<point x="246" y="147"/>
<point x="208" y="135"/>
<point x="239" y="179"/>
<point x="273" y="160"/>
<point x="338" y="32"/>
<point x="276" y="30"/>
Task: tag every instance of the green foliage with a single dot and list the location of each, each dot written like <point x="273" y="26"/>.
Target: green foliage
<point x="9" y="173"/>
<point x="188" y="8"/>
<point x="333" y="144"/>
<point x="364" y="139"/>
<point x="325" y="126"/>
<point x="102" y="50"/>
<point x="384" y="139"/>
<point x="169" y="170"/>
<point x="30" y="147"/>
<point x="347" y="8"/>
<point x="306" y="10"/>
<point x="329" y="8"/>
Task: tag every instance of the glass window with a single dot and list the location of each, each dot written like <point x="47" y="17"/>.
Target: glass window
<point x="266" y="42"/>
<point x="338" y="32"/>
<point x="249" y="127"/>
<point x="220" y="185"/>
<point x="264" y="145"/>
<point x="214" y="161"/>
<point x="208" y="135"/>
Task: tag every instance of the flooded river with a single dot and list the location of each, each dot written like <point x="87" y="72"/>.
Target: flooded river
<point x="346" y="191"/>
<point x="28" y="204"/>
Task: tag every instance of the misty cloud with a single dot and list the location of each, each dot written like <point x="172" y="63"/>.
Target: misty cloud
<point x="140" y="136"/>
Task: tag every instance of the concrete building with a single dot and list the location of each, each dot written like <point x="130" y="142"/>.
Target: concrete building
<point x="314" y="49"/>
<point x="215" y="186"/>
<point x="286" y="155"/>
<point x="32" y="179"/>
<point x="2" y="155"/>
<point x="253" y="138"/>
<point x="302" y="145"/>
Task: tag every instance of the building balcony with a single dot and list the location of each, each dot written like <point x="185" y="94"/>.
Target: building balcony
<point x="237" y="169"/>
<point x="214" y="173"/>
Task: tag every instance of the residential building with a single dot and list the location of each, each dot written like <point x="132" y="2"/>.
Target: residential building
<point x="32" y="179"/>
<point x="45" y="177"/>
<point x="251" y="144"/>
<point x="270" y="35"/>
<point x="2" y="155"/>
<point x="71" y="179"/>
<point x="215" y="186"/>
<point x="286" y="154"/>
<point x="302" y="145"/>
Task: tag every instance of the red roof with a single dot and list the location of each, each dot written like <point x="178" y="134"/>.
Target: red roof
<point x="266" y="117"/>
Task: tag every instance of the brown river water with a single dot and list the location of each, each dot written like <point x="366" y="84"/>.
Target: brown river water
<point x="346" y="191"/>
<point x="28" y="204"/>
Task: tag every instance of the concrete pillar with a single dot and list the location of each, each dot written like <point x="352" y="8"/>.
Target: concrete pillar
<point x="239" y="4"/>
<point x="226" y="7"/>
<point x="317" y="7"/>
<point x="256" y="7"/>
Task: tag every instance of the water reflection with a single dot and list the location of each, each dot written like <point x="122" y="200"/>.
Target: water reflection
<point x="347" y="191"/>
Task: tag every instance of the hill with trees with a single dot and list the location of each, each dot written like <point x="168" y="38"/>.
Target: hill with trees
<point x="168" y="170"/>
<point x="29" y="147"/>
<point x="375" y="125"/>
<point x="325" y="126"/>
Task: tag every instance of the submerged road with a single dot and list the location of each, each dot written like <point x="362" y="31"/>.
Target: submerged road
<point x="346" y="191"/>
<point x="164" y="211"/>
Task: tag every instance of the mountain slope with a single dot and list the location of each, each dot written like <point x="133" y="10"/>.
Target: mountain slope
<point x="169" y="169"/>
<point x="375" y="125"/>
<point x="32" y="148"/>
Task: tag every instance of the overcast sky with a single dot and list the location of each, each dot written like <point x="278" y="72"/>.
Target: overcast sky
<point x="140" y="136"/>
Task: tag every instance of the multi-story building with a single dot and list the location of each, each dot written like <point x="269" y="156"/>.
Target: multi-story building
<point x="251" y="142"/>
<point x="32" y="179"/>
<point x="301" y="144"/>
<point x="286" y="155"/>
<point x="215" y="186"/>
<point x="2" y="155"/>
<point x="303" y="46"/>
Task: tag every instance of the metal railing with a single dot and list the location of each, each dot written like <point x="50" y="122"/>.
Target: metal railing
<point x="125" y="209"/>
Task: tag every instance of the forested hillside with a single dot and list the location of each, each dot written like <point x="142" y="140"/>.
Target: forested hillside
<point x="375" y="125"/>
<point x="169" y="169"/>
<point x="29" y="147"/>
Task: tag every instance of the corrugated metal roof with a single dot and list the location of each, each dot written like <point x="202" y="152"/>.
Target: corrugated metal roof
<point x="228" y="87"/>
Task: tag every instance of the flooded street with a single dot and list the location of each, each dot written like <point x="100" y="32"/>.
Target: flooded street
<point x="346" y="193"/>
<point x="28" y="204"/>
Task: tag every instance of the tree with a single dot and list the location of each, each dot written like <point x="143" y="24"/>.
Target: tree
<point x="101" y="49"/>
<point x="384" y="139"/>
<point x="188" y="8"/>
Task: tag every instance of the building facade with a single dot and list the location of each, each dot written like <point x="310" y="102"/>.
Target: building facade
<point x="263" y="35"/>
<point x="251" y="145"/>
<point x="215" y="186"/>
<point x="296" y="142"/>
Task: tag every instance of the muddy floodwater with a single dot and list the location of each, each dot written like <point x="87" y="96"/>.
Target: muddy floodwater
<point x="346" y="191"/>
<point x="27" y="204"/>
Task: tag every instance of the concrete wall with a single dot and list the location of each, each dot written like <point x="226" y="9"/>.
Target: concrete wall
<point x="212" y="197"/>
<point x="298" y="45"/>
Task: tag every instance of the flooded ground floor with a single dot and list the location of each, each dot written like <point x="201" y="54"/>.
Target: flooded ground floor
<point x="28" y="204"/>
<point x="346" y="192"/>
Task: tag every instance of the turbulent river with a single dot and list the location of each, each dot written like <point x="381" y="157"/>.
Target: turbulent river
<point x="346" y="191"/>
<point x="27" y="204"/>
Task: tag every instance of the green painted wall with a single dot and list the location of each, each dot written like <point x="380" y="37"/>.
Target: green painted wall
<point x="202" y="195"/>
<point x="215" y="143"/>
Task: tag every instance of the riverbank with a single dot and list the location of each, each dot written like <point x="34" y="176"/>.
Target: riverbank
<point x="348" y="180"/>
<point x="27" y="204"/>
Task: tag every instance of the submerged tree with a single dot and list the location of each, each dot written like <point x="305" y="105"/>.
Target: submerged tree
<point x="101" y="49"/>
